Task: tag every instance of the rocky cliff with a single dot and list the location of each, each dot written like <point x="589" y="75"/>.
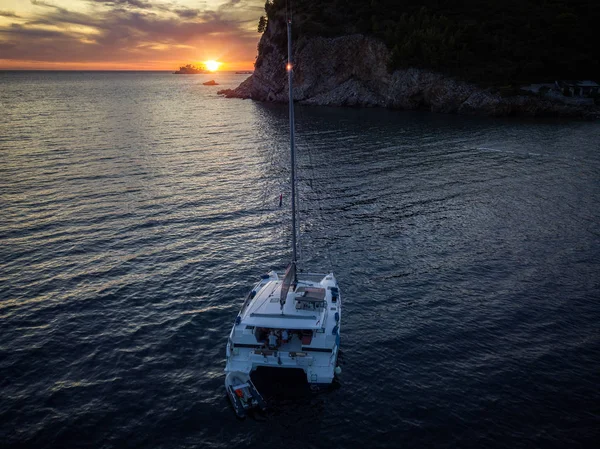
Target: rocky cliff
<point x="352" y="71"/>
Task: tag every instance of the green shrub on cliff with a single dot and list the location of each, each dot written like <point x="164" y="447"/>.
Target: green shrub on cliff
<point x="262" y="24"/>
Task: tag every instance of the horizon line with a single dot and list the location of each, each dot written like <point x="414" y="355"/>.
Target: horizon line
<point x="118" y="70"/>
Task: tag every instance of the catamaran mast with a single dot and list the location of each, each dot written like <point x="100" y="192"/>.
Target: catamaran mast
<point x="292" y="149"/>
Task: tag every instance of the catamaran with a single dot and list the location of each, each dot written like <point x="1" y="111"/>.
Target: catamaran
<point x="289" y="320"/>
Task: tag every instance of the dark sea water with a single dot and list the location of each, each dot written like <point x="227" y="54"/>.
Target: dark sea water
<point x="136" y="210"/>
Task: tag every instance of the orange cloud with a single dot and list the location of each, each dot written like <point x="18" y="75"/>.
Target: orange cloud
<point x="129" y="34"/>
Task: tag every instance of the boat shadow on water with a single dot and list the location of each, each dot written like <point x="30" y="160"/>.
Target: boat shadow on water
<point x="287" y="392"/>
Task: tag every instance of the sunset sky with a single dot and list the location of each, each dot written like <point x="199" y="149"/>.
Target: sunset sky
<point x="127" y="34"/>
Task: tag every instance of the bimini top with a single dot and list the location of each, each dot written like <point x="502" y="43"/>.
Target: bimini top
<point x="310" y="294"/>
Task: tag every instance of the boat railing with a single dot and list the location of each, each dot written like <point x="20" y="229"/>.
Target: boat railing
<point x="249" y="297"/>
<point x="265" y="352"/>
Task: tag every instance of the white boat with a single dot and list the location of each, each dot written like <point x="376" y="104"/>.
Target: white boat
<point x="243" y="394"/>
<point x="291" y="320"/>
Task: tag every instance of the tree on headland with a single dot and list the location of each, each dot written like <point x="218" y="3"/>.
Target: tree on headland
<point x="262" y="24"/>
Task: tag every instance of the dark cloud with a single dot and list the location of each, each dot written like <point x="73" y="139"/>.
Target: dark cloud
<point x="61" y="17"/>
<point x="136" y="3"/>
<point x="24" y="32"/>
<point x="42" y="3"/>
<point x="7" y="46"/>
<point x="8" y="14"/>
<point x="187" y="13"/>
<point x="130" y="31"/>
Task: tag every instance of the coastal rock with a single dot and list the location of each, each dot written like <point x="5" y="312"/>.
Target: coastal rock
<point x="350" y="93"/>
<point x="352" y="71"/>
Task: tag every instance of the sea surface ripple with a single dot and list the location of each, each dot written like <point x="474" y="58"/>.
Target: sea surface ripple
<point x="137" y="209"/>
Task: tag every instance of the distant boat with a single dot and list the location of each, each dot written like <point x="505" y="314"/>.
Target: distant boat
<point x="190" y="70"/>
<point x="244" y="72"/>
<point x="211" y="83"/>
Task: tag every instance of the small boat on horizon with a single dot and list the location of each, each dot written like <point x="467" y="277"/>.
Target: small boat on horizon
<point x="190" y="69"/>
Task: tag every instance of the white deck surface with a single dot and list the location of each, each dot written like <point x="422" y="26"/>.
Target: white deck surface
<point x="316" y="355"/>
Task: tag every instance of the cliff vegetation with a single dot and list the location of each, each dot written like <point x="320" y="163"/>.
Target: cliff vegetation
<point x="489" y="42"/>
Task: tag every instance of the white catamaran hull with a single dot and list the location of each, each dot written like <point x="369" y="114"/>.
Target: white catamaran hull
<point x="313" y="339"/>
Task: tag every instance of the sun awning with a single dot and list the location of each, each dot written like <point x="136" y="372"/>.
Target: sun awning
<point x="310" y="294"/>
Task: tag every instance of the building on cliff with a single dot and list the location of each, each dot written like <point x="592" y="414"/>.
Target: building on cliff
<point x="576" y="88"/>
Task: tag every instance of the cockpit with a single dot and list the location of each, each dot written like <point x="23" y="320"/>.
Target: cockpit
<point x="310" y="298"/>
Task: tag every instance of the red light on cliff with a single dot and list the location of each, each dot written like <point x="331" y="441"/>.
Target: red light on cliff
<point x="288" y="67"/>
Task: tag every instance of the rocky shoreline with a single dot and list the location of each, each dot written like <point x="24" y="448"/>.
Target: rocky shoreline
<point x="352" y="71"/>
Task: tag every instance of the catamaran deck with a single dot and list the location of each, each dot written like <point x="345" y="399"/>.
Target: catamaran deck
<point x="310" y="315"/>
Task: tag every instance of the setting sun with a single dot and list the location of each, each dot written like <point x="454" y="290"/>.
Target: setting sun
<point x="213" y="66"/>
